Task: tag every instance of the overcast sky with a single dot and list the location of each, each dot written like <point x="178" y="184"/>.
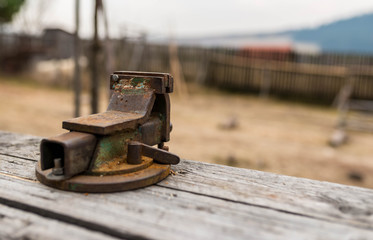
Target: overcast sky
<point x="186" y="18"/>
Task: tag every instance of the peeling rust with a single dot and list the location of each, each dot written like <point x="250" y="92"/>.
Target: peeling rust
<point x="135" y="85"/>
<point x="119" y="165"/>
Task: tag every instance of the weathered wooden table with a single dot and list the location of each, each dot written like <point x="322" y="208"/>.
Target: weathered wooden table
<point x="201" y="201"/>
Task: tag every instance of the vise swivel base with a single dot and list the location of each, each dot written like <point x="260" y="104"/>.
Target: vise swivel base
<point x="113" y="151"/>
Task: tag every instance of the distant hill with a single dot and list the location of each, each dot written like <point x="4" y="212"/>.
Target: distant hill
<point x="349" y="35"/>
<point x="353" y="35"/>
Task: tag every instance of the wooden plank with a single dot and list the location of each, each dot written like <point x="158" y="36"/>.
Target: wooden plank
<point x="19" y="145"/>
<point x="17" y="167"/>
<point x="18" y="224"/>
<point x="161" y="213"/>
<point x="321" y="200"/>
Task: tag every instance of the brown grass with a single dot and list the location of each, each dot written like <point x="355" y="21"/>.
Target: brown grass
<point x="276" y="136"/>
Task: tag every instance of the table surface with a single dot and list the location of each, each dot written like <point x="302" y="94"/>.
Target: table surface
<point x="200" y="201"/>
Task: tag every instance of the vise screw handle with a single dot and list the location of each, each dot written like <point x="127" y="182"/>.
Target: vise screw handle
<point x="137" y="149"/>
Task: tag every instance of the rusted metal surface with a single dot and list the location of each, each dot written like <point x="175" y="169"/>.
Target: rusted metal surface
<point x="120" y="165"/>
<point x="74" y="149"/>
<point x="162" y="105"/>
<point x="160" y="82"/>
<point x="112" y="151"/>
<point x="151" y="131"/>
<point x="104" y="123"/>
<point x="130" y="104"/>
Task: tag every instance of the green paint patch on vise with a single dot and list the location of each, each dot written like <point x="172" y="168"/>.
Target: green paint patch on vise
<point x="138" y="82"/>
<point x="113" y="146"/>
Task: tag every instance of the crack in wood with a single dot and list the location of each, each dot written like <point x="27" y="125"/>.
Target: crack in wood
<point x="70" y="220"/>
<point x="16" y="177"/>
<point x="15" y="156"/>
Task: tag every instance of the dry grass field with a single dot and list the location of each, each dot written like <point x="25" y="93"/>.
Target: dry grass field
<point x="268" y="135"/>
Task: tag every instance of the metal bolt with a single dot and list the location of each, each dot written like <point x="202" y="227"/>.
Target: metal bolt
<point x="57" y="169"/>
<point x="115" y="77"/>
<point x="163" y="147"/>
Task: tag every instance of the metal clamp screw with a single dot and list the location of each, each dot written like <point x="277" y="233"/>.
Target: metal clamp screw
<point x="57" y="169"/>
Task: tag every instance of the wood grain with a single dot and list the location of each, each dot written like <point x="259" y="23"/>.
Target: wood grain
<point x="321" y="200"/>
<point x="201" y="201"/>
<point x="161" y="213"/>
<point x="17" y="167"/>
<point x="350" y="205"/>
<point x="18" y="224"/>
<point x="19" y="145"/>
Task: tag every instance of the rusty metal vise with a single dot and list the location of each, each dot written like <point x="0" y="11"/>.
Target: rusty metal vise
<point x="113" y="151"/>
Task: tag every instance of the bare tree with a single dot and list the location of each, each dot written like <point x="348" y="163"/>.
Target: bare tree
<point x="30" y="18"/>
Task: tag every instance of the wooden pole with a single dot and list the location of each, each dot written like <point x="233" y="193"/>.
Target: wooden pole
<point x="77" y="84"/>
<point x="109" y="51"/>
<point x="176" y="70"/>
<point x="94" y="62"/>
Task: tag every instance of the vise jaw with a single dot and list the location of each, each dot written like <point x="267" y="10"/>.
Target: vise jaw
<point x="113" y="150"/>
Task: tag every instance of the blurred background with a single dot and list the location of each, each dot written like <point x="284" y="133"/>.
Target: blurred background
<point x="279" y="86"/>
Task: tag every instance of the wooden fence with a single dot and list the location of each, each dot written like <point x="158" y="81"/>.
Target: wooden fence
<point x="313" y="76"/>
